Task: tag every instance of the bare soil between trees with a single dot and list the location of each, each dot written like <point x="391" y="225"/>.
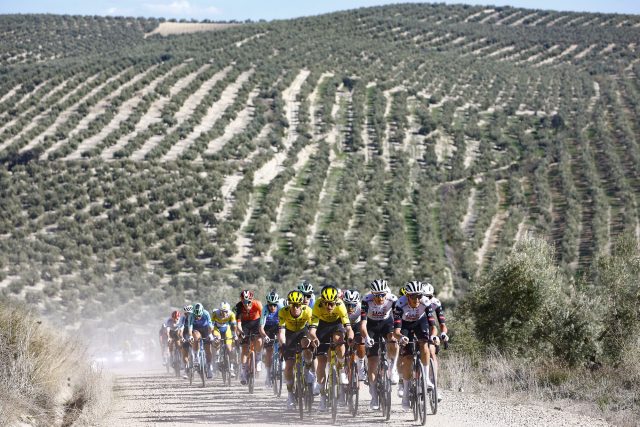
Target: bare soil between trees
<point x="144" y="396"/>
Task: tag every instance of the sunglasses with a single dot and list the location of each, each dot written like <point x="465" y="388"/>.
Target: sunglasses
<point x="330" y="304"/>
<point x="295" y="305"/>
<point x="198" y="317"/>
<point x="272" y="305"/>
<point x="307" y="296"/>
<point x="429" y="296"/>
<point x="413" y="296"/>
<point x="379" y="294"/>
<point x="247" y="302"/>
<point x="351" y="306"/>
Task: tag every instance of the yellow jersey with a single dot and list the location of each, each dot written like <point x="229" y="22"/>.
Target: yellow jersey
<point x="320" y="312"/>
<point x="294" y="324"/>
<point x="220" y="321"/>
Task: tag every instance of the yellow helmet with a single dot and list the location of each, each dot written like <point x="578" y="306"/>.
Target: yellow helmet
<point x="403" y="291"/>
<point x="329" y="293"/>
<point x="295" y="297"/>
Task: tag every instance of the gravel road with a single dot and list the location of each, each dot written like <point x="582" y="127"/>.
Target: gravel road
<point x="151" y="397"/>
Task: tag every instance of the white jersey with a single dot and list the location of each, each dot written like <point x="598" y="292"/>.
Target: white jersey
<point x="355" y="316"/>
<point x="406" y="313"/>
<point x="375" y="311"/>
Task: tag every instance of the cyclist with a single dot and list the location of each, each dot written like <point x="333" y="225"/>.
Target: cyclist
<point x="269" y="329"/>
<point x="173" y="330"/>
<point x="186" y="312"/>
<point x="307" y="291"/>
<point x="248" y="312"/>
<point x="352" y="303"/>
<point x="224" y="324"/>
<point x="377" y="322"/>
<point x="330" y="320"/>
<point x="199" y="326"/>
<point x="438" y="310"/>
<point x="292" y="329"/>
<point x="413" y="317"/>
<point x="162" y="336"/>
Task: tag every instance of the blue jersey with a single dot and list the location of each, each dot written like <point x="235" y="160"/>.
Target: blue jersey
<point x="268" y="318"/>
<point x="312" y="301"/>
<point x="203" y="322"/>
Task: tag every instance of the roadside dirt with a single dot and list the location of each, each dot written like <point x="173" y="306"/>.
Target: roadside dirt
<point x="151" y="397"/>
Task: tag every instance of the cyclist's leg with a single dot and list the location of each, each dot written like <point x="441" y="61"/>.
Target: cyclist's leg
<point x="196" y="341"/>
<point x="216" y="343"/>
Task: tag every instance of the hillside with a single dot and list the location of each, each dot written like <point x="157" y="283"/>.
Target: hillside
<point x="404" y="141"/>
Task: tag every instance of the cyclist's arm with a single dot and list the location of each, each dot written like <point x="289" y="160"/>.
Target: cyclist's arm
<point x="233" y="325"/>
<point x="441" y="319"/>
<point x="397" y="321"/>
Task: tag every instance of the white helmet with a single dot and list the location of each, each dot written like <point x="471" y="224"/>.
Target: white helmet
<point x="351" y="297"/>
<point x="428" y="289"/>
<point x="225" y="306"/>
<point x="379" y="285"/>
<point x="188" y="308"/>
<point x="415" y="287"/>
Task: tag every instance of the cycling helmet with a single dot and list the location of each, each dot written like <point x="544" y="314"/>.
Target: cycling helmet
<point x="403" y="291"/>
<point x="175" y="315"/>
<point x="428" y="289"/>
<point x="188" y="308"/>
<point x="305" y="287"/>
<point x="225" y="306"/>
<point x="198" y="309"/>
<point x="246" y="295"/>
<point x="414" y="287"/>
<point x="330" y="293"/>
<point x="295" y="297"/>
<point x="351" y="297"/>
<point x="273" y="297"/>
<point x="379" y="286"/>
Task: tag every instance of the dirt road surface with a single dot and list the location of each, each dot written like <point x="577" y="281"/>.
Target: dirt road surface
<point x="146" y="396"/>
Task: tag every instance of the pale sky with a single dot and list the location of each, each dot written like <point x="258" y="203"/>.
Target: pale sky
<point x="225" y="10"/>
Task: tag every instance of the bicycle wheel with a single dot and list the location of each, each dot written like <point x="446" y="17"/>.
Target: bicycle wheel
<point x="300" y="388"/>
<point x="190" y="367"/>
<point x="352" y="389"/>
<point x="176" y="362"/>
<point x="279" y="376"/>
<point x="422" y="396"/>
<point x="413" y="389"/>
<point x="385" y="396"/>
<point x="333" y="393"/>
<point x="251" y="371"/>
<point x="433" y="393"/>
<point x="203" y="366"/>
<point x="273" y="373"/>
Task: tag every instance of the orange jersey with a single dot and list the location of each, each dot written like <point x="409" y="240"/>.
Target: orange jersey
<point x="246" y="314"/>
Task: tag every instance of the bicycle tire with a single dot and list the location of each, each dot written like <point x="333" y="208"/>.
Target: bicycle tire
<point x="203" y="364"/>
<point x="413" y="389"/>
<point x="334" y="394"/>
<point x="226" y="366"/>
<point x="300" y="388"/>
<point x="190" y="367"/>
<point x="422" y="396"/>
<point x="251" y="372"/>
<point x="273" y="374"/>
<point x="279" y="376"/>
<point x="433" y="394"/>
<point x="176" y="362"/>
<point x="352" y="392"/>
<point x="386" y="396"/>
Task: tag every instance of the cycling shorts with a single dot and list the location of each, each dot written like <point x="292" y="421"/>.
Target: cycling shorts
<point x="377" y="329"/>
<point x="325" y="331"/>
<point x="412" y="330"/>
<point x="292" y="339"/>
<point x="228" y="336"/>
<point x="250" y="327"/>
<point x="272" y="332"/>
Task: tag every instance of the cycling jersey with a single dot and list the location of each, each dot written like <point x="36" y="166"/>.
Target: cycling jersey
<point x="174" y="326"/>
<point x="294" y="324"/>
<point x="320" y="312"/>
<point x="403" y="312"/>
<point x="269" y="319"/>
<point x="354" y="318"/>
<point x="247" y="313"/>
<point x="436" y="305"/>
<point x="202" y="323"/>
<point x="221" y="322"/>
<point x="374" y="311"/>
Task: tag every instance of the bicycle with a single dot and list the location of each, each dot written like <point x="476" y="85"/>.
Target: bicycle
<point x="176" y="359"/>
<point x="224" y="363"/>
<point x="276" y="369"/>
<point x="418" y="385"/>
<point x="383" y="382"/>
<point x="251" y="364"/>
<point x="433" y="376"/>
<point x="331" y="383"/>
<point x="352" y="390"/>
<point x="198" y="362"/>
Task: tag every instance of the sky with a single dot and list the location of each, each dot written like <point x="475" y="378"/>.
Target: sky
<point x="226" y="10"/>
